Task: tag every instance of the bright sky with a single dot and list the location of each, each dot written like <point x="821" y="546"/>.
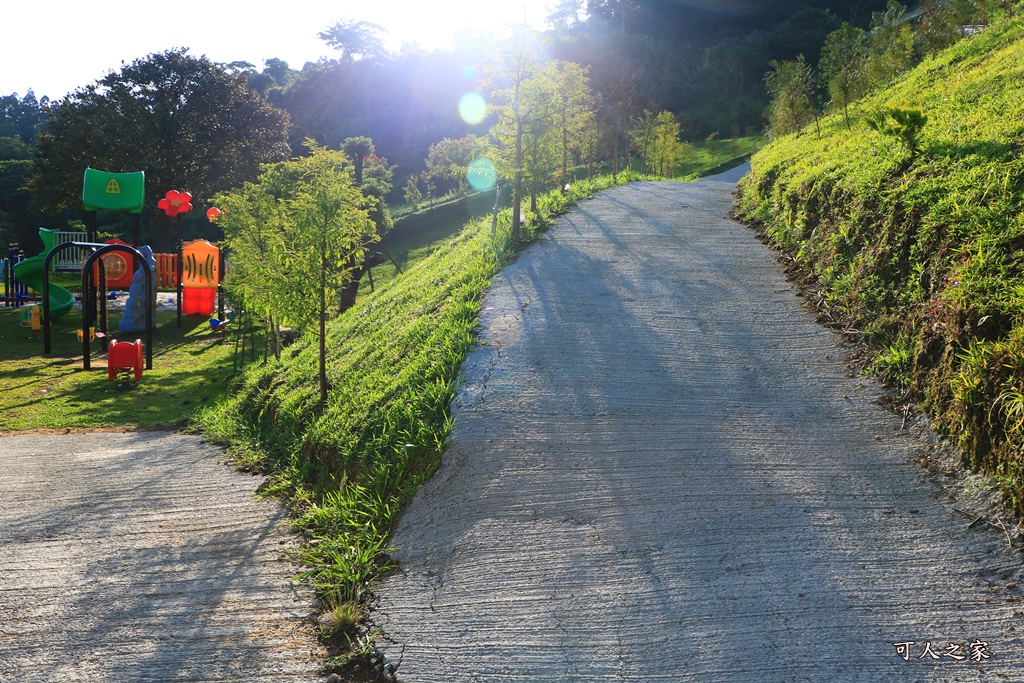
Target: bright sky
<point x="55" y="47"/>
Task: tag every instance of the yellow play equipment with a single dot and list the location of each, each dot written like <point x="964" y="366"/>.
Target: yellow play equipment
<point x="34" y="319"/>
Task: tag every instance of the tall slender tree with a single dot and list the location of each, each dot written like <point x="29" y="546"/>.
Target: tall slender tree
<point x="842" y="67"/>
<point x="323" y="228"/>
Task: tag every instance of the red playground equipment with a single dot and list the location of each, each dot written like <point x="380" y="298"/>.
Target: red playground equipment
<point x="124" y="356"/>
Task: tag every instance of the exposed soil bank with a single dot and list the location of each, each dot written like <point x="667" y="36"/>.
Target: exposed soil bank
<point x="141" y="557"/>
<point x="662" y="470"/>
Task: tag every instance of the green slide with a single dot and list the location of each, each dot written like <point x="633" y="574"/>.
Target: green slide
<point x="30" y="271"/>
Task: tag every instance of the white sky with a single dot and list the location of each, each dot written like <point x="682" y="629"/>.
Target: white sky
<point x="54" y="47"/>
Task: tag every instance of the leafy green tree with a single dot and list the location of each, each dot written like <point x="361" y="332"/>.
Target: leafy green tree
<point x="411" y="192"/>
<point x="448" y="160"/>
<point x="655" y="138"/>
<point x="357" y="149"/>
<point x="942" y="23"/>
<point x="575" y="114"/>
<point x="355" y="39"/>
<point x="514" y="79"/>
<point x="294" y="236"/>
<point x="374" y="178"/>
<point x="22" y="117"/>
<point x="275" y="78"/>
<point x="564" y="14"/>
<point x="791" y="88"/>
<point x="890" y="45"/>
<point x="842" y="62"/>
<point x="542" y="123"/>
<point x="183" y="120"/>
<point x="255" y="226"/>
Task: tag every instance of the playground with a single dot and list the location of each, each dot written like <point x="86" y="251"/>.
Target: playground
<point x="191" y="366"/>
<point x="101" y="334"/>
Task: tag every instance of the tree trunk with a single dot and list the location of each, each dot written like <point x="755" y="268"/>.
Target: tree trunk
<point x="517" y="195"/>
<point x="323" y="328"/>
<point x="350" y="291"/>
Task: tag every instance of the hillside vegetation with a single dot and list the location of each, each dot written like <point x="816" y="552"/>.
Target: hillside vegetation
<point x="919" y="246"/>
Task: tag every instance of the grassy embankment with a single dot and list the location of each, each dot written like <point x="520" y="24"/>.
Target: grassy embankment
<point x="923" y="255"/>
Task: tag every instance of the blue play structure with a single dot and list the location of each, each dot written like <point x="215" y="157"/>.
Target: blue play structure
<point x="134" y="317"/>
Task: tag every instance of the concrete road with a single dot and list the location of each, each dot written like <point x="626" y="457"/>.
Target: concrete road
<point x="142" y="557"/>
<point x="662" y="470"/>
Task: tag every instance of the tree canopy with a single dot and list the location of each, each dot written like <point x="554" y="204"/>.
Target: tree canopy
<point x="186" y="121"/>
<point x="296" y="235"/>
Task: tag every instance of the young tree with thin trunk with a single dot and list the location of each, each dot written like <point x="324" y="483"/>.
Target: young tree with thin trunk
<point x="517" y="112"/>
<point x="791" y="88"/>
<point x="324" y="227"/>
<point x="842" y="67"/>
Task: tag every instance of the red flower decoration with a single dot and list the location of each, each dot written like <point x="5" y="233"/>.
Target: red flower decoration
<point x="175" y="203"/>
<point x="212" y="214"/>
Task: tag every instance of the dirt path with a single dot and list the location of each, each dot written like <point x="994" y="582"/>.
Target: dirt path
<point x="141" y="557"/>
<point x="662" y="470"/>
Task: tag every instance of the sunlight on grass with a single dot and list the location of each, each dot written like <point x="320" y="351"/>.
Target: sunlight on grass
<point x="191" y="366"/>
<point x="921" y="253"/>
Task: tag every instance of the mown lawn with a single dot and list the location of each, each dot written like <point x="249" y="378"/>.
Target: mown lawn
<point x="191" y="366"/>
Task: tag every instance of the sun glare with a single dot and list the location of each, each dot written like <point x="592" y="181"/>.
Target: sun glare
<point x="440" y="25"/>
<point x="472" y="108"/>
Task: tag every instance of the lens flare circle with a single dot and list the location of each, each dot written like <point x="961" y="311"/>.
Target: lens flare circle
<point x="481" y="174"/>
<point x="472" y="108"/>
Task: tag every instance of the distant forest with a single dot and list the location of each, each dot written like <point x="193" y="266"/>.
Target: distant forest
<point x="700" y="59"/>
<point x="703" y="60"/>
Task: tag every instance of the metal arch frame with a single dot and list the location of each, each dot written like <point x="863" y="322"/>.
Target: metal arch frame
<point x="99" y="251"/>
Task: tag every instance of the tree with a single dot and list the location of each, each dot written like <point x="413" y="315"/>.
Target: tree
<point x="890" y="45"/>
<point x="357" y="149"/>
<point x="791" y="88"/>
<point x="373" y="177"/>
<point x="411" y="192"/>
<point x="656" y="138"/>
<point x="21" y="117"/>
<point x="511" y="80"/>
<point x="183" y="120"/>
<point x="842" y="66"/>
<point x="295" y="235"/>
<point x="574" y="114"/>
<point x="448" y="161"/>
<point x="355" y="39"/>
<point x="564" y="14"/>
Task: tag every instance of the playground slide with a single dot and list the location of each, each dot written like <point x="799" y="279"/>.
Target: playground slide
<point x="30" y="271"/>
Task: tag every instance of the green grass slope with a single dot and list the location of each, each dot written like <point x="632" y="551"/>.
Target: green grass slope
<point x="923" y="256"/>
